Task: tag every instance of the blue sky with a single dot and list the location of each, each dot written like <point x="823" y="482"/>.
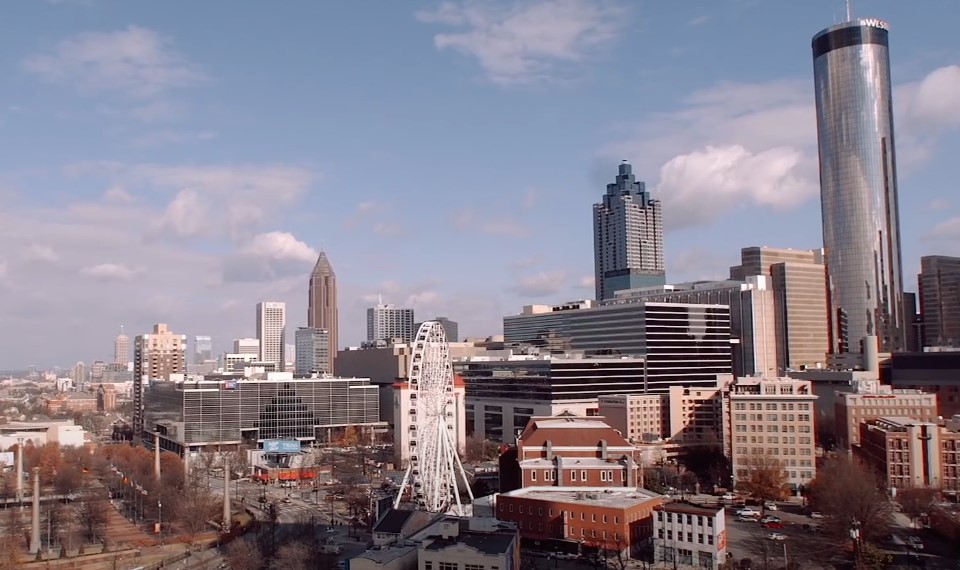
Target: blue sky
<point x="179" y="161"/>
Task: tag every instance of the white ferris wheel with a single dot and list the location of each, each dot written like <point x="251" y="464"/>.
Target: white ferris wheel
<point x="435" y="473"/>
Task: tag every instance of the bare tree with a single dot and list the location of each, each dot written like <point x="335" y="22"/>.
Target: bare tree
<point x="851" y="493"/>
<point x="194" y="506"/>
<point x="762" y="476"/>
<point x="92" y="517"/>
<point x="294" y="556"/>
<point x="67" y="479"/>
<point x="244" y="555"/>
<point x="478" y="449"/>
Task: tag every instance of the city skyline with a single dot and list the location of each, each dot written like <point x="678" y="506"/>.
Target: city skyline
<point x="142" y="161"/>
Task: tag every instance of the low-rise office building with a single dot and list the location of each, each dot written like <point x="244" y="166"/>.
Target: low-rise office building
<point x="580" y="520"/>
<point x="683" y="415"/>
<point x="771" y="424"/>
<point x="502" y="394"/>
<point x="910" y="453"/>
<point x="570" y="451"/>
<point x="688" y="535"/>
<point x="851" y="409"/>
<point x="225" y="412"/>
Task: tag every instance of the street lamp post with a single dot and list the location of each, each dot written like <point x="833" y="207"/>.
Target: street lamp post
<point x="160" y="520"/>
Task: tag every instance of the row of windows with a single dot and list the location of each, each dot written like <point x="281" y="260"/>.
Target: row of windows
<point x="690" y="518"/>
<point x="689" y="536"/>
<point x="770" y="406"/>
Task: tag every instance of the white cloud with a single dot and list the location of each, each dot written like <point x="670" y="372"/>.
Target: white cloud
<point x="541" y="284"/>
<point x="934" y="102"/>
<point x="268" y="257"/>
<point x="528" y="41"/>
<point x="587" y="282"/>
<point x="40" y="252"/>
<point x="109" y="272"/>
<point x="504" y="226"/>
<point x="699" y="186"/>
<point x="740" y="144"/>
<point x="135" y="61"/>
<point x="245" y="196"/>
<point x="116" y="193"/>
<point x="185" y="216"/>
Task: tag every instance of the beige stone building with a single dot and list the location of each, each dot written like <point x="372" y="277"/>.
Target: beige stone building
<point x="851" y="409"/>
<point x="156" y="356"/>
<point x="683" y="415"/>
<point x="799" y="285"/>
<point x="771" y="424"/>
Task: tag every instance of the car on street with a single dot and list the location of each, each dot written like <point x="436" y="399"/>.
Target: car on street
<point x="770" y="506"/>
<point x="776" y="536"/>
<point x="770" y="518"/>
<point x="746" y="519"/>
<point x="729" y="497"/>
<point x="748" y="512"/>
<point x="816" y="515"/>
<point x="772" y="524"/>
<point x="915" y="543"/>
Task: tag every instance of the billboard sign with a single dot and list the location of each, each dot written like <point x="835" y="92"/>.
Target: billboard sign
<point x="230" y="385"/>
<point x="281" y="446"/>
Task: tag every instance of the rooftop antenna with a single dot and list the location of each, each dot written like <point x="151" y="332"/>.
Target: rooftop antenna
<point x="849" y="11"/>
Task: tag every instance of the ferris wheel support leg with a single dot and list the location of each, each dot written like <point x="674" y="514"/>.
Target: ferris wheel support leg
<point x="463" y="474"/>
<point x="450" y="456"/>
<point x="436" y="499"/>
<point x="403" y="487"/>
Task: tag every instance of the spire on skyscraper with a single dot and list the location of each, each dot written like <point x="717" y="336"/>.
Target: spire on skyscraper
<point x="322" y="302"/>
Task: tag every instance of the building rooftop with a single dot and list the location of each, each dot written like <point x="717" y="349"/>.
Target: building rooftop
<point x="688" y="509"/>
<point x="486" y="542"/>
<point x="571" y="423"/>
<point x="387" y="555"/>
<point x="595" y="496"/>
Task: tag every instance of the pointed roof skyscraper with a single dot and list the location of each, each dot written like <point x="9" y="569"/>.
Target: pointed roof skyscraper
<point x="322" y="302"/>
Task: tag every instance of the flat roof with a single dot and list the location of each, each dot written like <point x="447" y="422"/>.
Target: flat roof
<point x="597" y="496"/>
<point x="571" y="423"/>
<point x="385" y="555"/>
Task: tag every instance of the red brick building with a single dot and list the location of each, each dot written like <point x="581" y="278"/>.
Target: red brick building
<point x="580" y="519"/>
<point x="570" y="451"/>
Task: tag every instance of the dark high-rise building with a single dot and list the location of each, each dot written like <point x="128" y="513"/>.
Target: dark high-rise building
<point x="627" y="237"/>
<point x="858" y="185"/>
<point x="322" y="304"/>
<point x="939" y="284"/>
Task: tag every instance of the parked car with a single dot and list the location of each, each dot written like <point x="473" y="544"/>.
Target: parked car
<point x="729" y="497"/>
<point x="816" y="515"/>
<point x="776" y="536"/>
<point x="748" y="512"/>
<point x="746" y="519"/>
<point x="770" y="518"/>
<point x="770" y="506"/>
<point x="915" y="543"/>
<point x="773" y="524"/>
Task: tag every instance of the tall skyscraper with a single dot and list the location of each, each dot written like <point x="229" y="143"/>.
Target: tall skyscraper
<point x="858" y="185"/>
<point x="121" y="348"/>
<point x="202" y="349"/>
<point x="156" y="356"/>
<point x="386" y="322"/>
<point x="322" y="303"/>
<point x="939" y="284"/>
<point x="312" y="350"/>
<point x="627" y="237"/>
<point x="271" y="332"/>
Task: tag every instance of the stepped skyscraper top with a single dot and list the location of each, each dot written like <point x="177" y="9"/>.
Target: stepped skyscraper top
<point x="627" y="237"/>
<point x="322" y="303"/>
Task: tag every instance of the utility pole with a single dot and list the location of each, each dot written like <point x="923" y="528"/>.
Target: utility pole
<point x="786" y="563"/>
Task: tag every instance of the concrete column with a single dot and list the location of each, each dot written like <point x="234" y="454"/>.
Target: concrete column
<point x="35" y="514"/>
<point x="226" y="495"/>
<point x="156" y="456"/>
<point x="19" y="469"/>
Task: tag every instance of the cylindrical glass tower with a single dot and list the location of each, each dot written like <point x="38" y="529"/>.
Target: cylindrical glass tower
<point x="858" y="185"/>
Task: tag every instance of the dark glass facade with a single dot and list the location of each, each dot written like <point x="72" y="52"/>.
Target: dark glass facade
<point x="249" y="411"/>
<point x="858" y="185"/>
